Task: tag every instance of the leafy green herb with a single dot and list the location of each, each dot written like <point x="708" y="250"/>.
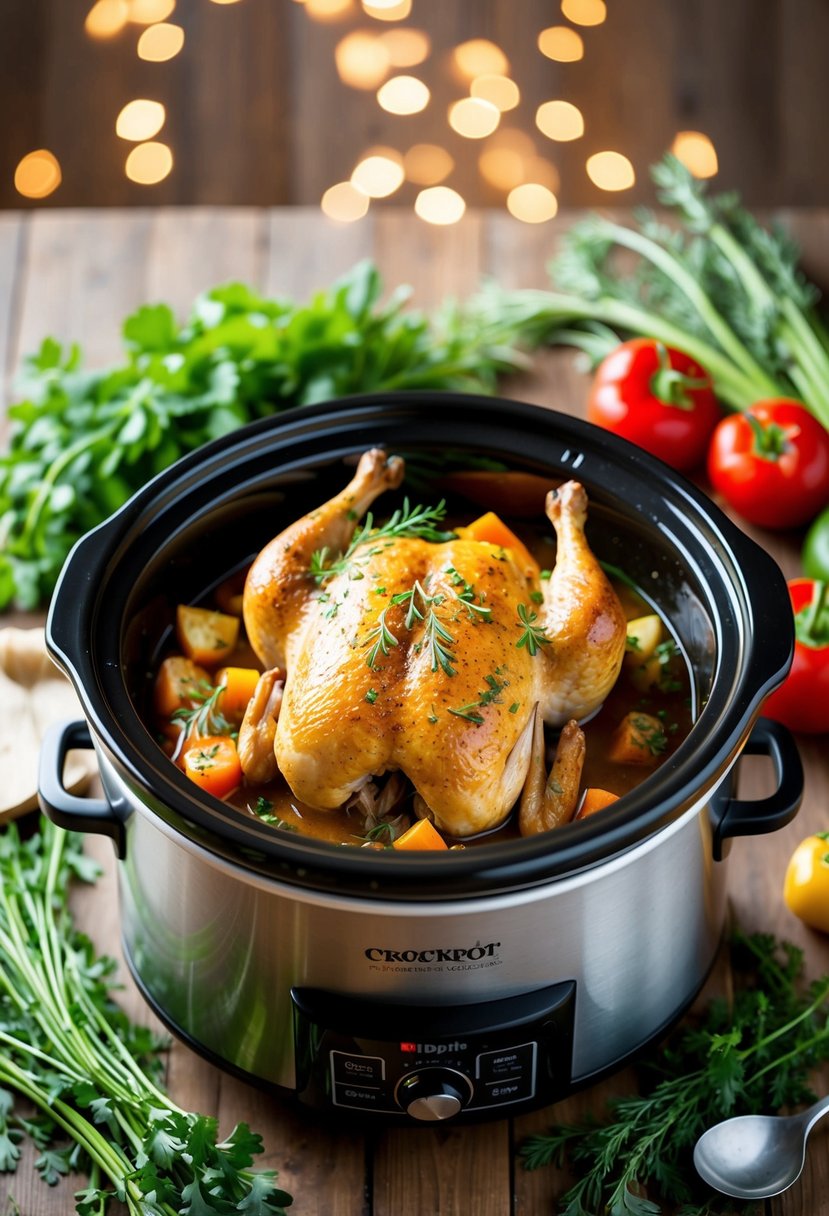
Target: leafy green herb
<point x="718" y="286"/>
<point x="649" y="734"/>
<point x="263" y="809"/>
<point x="749" y="1055"/>
<point x="514" y="708"/>
<point x="83" y="441"/>
<point x="383" y="639"/>
<point x="204" y="718"/>
<point x="407" y="521"/>
<point x="490" y="694"/>
<point x="67" y="1049"/>
<point x="533" y="636"/>
<point x="537" y="597"/>
<point x="438" y="638"/>
<point x="371" y="696"/>
<point x="383" y="833"/>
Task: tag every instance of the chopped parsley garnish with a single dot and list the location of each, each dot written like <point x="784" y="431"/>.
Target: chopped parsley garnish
<point x="493" y="690"/>
<point x="371" y="696"/>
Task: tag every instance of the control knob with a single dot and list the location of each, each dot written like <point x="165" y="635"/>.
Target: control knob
<point x="433" y="1094"/>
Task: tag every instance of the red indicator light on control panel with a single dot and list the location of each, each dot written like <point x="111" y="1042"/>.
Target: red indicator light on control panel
<point x="408" y="1047"/>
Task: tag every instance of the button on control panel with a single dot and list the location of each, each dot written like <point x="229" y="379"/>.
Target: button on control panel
<point x="445" y="1063"/>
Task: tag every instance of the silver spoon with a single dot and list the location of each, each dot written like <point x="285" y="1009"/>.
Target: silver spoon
<point x="756" y="1156"/>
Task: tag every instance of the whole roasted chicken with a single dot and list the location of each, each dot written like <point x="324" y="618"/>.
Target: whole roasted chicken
<point x="405" y="648"/>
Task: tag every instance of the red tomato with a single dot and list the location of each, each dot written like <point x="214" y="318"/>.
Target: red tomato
<point x="658" y="398"/>
<point x="802" y="700"/>
<point x="771" y="464"/>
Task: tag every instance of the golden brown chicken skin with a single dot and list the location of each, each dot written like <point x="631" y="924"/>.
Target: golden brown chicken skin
<point x="412" y="659"/>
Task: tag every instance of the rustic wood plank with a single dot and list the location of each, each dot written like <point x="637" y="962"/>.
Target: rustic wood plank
<point x="448" y="1171"/>
<point x="193" y="249"/>
<point x="307" y="252"/>
<point x="436" y="262"/>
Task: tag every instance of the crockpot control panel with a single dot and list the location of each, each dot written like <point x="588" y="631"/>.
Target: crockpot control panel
<point x="430" y="1063"/>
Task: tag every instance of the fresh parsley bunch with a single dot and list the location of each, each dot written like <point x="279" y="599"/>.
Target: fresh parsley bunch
<point x="750" y="1055"/>
<point x="83" y="441"/>
<point x="91" y="1075"/>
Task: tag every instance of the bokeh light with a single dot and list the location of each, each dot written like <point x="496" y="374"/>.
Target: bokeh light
<point x="148" y="12"/>
<point x="328" y="10"/>
<point x="388" y="10"/>
<point x="149" y="163"/>
<point x="379" y="173"/>
<point x="479" y="57"/>
<point x="502" y="168"/>
<point x="584" y="12"/>
<point x="532" y="203"/>
<point x="362" y="60"/>
<point x="403" y="95"/>
<point x="561" y="43"/>
<point x="499" y="91"/>
<point x="344" y="203"/>
<point x="427" y="164"/>
<point x="474" y="118"/>
<point x="610" y="171"/>
<point x="140" y="119"/>
<point x="542" y="172"/>
<point x="439" y="205"/>
<point x="406" y="48"/>
<point x="37" y="174"/>
<point x="106" y="18"/>
<point x="560" y="120"/>
<point x="161" y="42"/>
<point x="697" y="153"/>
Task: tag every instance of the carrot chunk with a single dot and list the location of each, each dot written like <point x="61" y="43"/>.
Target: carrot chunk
<point x="638" y="739"/>
<point x="238" y="686"/>
<point x="206" y="636"/>
<point x="421" y="835"/>
<point x="595" y="800"/>
<point x="213" y="763"/>
<point x="491" y="529"/>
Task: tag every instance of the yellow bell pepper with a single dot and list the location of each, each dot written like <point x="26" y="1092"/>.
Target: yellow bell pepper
<point x="806" y="887"/>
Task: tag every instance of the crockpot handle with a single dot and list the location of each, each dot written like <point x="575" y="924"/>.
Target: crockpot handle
<point x="93" y="815"/>
<point x="752" y="817"/>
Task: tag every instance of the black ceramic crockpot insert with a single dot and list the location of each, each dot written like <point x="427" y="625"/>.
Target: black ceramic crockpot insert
<point x="211" y="512"/>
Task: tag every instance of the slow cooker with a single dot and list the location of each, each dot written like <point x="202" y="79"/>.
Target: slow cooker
<point x="465" y="985"/>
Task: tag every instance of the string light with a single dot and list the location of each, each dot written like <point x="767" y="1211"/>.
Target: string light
<point x="499" y="91"/>
<point x="406" y="48"/>
<point x="560" y="120"/>
<point x="344" y="203"/>
<point x="160" y="42"/>
<point x="403" y="95"/>
<point x="439" y="205"/>
<point x="427" y="164"/>
<point x="362" y="60"/>
<point x="387" y="10"/>
<point x="561" y="43"/>
<point x="140" y="119"/>
<point x="532" y="203"/>
<point x="479" y="57"/>
<point x="696" y="152"/>
<point x="149" y="163"/>
<point x="106" y="18"/>
<point x="225" y="1"/>
<point x="610" y="171"/>
<point x="474" y="118"/>
<point x="379" y="173"/>
<point x="502" y="168"/>
<point x="584" y="12"/>
<point x="37" y="174"/>
<point x="148" y="12"/>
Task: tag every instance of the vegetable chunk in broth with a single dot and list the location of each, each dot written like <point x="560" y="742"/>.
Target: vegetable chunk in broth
<point x="422" y="682"/>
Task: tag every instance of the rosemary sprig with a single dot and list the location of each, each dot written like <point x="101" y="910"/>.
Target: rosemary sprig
<point x="382" y="637"/>
<point x="206" y="717"/>
<point x="489" y="696"/>
<point x="533" y="636"/>
<point x="406" y="522"/>
<point x="437" y="638"/>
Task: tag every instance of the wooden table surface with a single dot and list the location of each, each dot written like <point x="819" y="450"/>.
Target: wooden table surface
<point x="75" y="275"/>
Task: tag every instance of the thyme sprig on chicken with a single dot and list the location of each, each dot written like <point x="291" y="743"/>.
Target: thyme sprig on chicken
<point x="533" y="636"/>
<point x="417" y="522"/>
<point x="436" y="637"/>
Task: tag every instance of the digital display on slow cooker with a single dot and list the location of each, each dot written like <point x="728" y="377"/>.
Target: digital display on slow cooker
<point x="464" y="1061"/>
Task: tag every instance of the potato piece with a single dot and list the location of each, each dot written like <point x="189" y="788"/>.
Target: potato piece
<point x="180" y="684"/>
<point x="638" y="739"/>
<point x="644" y="634"/>
<point x="205" y="636"/>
